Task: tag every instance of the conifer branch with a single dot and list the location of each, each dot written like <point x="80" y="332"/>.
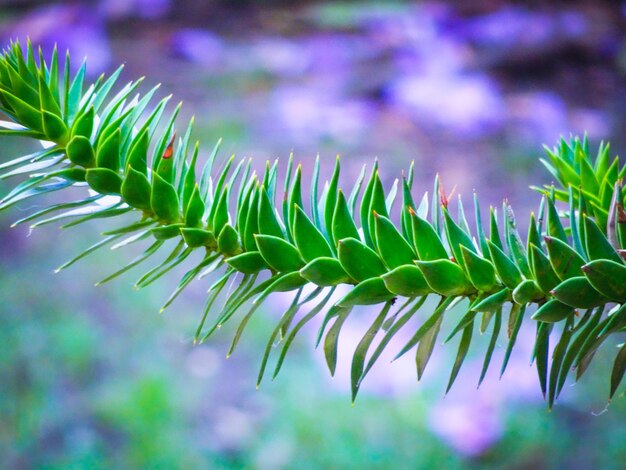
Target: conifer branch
<point x="571" y="266"/>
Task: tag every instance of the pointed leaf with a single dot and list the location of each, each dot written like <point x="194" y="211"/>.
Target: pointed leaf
<point x="427" y="243"/>
<point x="619" y="368"/>
<point x="281" y="255"/>
<point x="445" y="277"/>
<point x="369" y="292"/>
<point x="250" y="262"/>
<point x="608" y="278"/>
<point x="464" y="345"/>
<point x="578" y="292"/>
<point x="309" y="240"/>
<point x="228" y="241"/>
<point x="358" y="359"/>
<point x="407" y="281"/>
<point x="480" y="271"/>
<point x="359" y="260"/>
<point x="163" y="200"/>
<point x="325" y="271"/>
<point x="342" y="223"/>
<point x="104" y="181"/>
<point x="332" y="338"/>
<point x="394" y="250"/>
<point x="80" y="151"/>
<point x="552" y="311"/>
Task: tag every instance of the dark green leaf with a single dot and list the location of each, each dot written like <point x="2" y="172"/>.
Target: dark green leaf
<point x="369" y="292"/>
<point x="343" y="225"/>
<point x="289" y="339"/>
<point x="359" y="260"/>
<point x="542" y="346"/>
<point x="104" y="181"/>
<point x="358" y="359"/>
<point x="445" y="277"/>
<point x="397" y="325"/>
<point x="163" y="200"/>
<point x="426" y="345"/>
<point x="464" y="345"/>
<point x="444" y="303"/>
<point x="252" y="220"/>
<point x="284" y="323"/>
<point x="557" y="361"/>
<point x="394" y="250"/>
<point x="138" y="154"/>
<point x="25" y="113"/>
<point x="597" y="245"/>
<point x="108" y="152"/>
<point x="493" y="302"/>
<point x="575" y="348"/>
<point x="516" y="316"/>
<point x="407" y="281"/>
<point x="365" y="206"/>
<point x="228" y="241"/>
<point x="555" y="228"/>
<point x="544" y="275"/>
<point x="83" y="125"/>
<point x="195" y="209"/>
<point x="608" y="278"/>
<point x="219" y="211"/>
<point x="281" y="255"/>
<point x="480" y="271"/>
<point x="507" y="271"/>
<point x="377" y="205"/>
<point x="619" y="368"/>
<point x="268" y="222"/>
<point x="577" y="292"/>
<point x="54" y="127"/>
<point x="250" y="262"/>
<point x="325" y="272"/>
<point x="497" y="324"/>
<point x="195" y="237"/>
<point x="564" y="259"/>
<point x="457" y="238"/>
<point x="527" y="291"/>
<point x="332" y="337"/>
<point x="309" y="240"/>
<point x="165" y="232"/>
<point x="427" y="243"/>
<point x="80" y="151"/>
<point x="331" y="203"/>
<point x="552" y="311"/>
<point x="295" y="199"/>
<point x="136" y="190"/>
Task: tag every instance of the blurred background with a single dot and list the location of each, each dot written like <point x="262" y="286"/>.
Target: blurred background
<point x="96" y="378"/>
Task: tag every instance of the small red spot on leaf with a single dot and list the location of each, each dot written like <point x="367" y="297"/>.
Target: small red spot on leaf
<point x="169" y="150"/>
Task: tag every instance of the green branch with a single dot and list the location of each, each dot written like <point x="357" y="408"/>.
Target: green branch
<point x="571" y="265"/>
